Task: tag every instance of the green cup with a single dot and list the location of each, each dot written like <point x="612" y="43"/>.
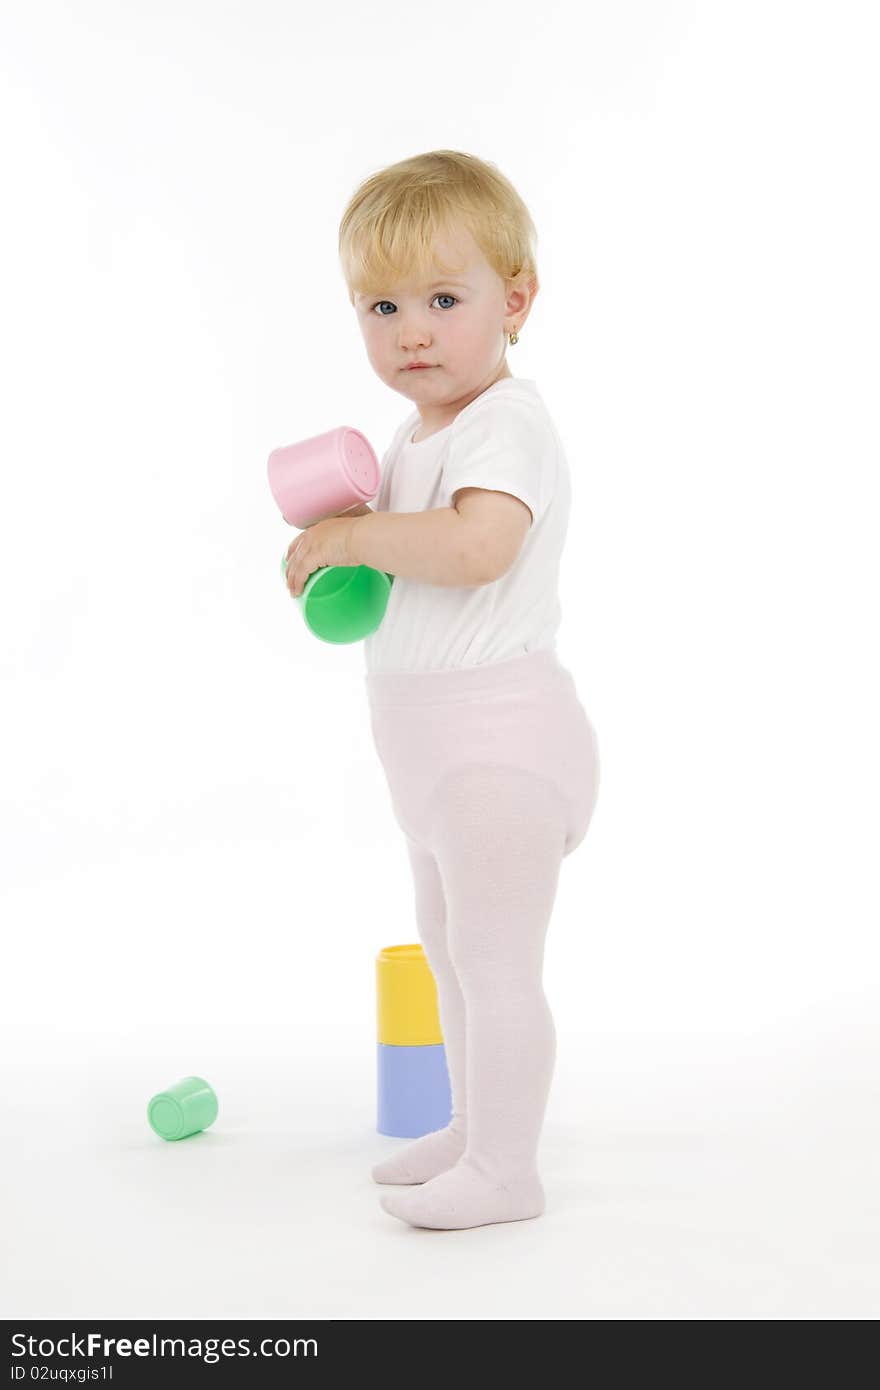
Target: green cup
<point x="183" y="1109"/>
<point x="343" y="603"/>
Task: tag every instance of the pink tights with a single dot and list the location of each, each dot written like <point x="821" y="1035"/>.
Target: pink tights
<point x="493" y="772"/>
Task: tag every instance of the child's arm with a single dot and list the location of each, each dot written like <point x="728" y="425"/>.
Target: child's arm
<point x="437" y="547"/>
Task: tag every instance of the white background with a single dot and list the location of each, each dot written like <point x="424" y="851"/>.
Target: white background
<point x="200" y="860"/>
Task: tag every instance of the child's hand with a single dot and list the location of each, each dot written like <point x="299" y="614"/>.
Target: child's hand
<point x="326" y="543"/>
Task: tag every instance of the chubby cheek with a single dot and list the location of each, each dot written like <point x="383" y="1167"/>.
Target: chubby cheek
<point x="479" y="340"/>
<point x="380" y="353"/>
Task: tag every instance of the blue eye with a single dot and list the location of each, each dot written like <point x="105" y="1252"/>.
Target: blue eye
<point x="388" y="301"/>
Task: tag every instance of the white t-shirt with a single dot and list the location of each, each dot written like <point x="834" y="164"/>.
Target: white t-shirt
<point x="504" y="440"/>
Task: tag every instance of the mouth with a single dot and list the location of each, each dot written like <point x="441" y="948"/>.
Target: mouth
<point x="419" y="366"/>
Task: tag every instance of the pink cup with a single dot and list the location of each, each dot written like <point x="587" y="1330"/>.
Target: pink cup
<point x="324" y="475"/>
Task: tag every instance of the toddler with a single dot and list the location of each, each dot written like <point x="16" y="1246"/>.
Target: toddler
<point x="491" y="762"/>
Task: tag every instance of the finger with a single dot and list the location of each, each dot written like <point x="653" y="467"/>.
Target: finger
<point x="297" y="576"/>
<point x="291" y="559"/>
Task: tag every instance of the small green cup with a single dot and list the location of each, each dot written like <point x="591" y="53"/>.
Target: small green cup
<point x="343" y="603"/>
<point x="183" y="1109"/>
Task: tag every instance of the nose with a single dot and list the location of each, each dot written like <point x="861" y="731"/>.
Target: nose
<point x="413" y="335"/>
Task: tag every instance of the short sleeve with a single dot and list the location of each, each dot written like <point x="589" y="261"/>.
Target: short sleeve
<point x="504" y="445"/>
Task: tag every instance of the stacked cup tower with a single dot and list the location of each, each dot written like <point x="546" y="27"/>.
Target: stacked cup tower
<point x="414" y="1095"/>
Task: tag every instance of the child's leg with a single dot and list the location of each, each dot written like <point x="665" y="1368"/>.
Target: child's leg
<point x="434" y="1153"/>
<point x="499" y="835"/>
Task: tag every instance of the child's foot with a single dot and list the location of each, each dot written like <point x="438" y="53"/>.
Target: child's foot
<point x="423" y="1160"/>
<point x="464" y="1197"/>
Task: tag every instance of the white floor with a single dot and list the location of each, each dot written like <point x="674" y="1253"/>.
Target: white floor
<point x="685" y="1179"/>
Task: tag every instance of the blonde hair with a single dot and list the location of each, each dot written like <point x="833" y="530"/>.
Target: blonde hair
<point x="389" y="226"/>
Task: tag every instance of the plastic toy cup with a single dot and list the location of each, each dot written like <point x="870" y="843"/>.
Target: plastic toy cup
<point x="343" y="603"/>
<point x="414" y="1095"/>
<point x="183" y="1109"/>
<point x="324" y="475"/>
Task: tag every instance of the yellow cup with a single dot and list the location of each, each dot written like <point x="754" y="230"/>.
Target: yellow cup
<point x="406" y="998"/>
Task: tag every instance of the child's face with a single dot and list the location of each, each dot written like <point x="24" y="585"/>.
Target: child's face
<point x="456" y="323"/>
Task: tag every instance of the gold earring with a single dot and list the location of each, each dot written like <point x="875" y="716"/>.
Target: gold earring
<point x="514" y="337"/>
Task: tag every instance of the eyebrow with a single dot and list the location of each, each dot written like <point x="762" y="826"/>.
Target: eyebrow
<point x="459" y="285"/>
